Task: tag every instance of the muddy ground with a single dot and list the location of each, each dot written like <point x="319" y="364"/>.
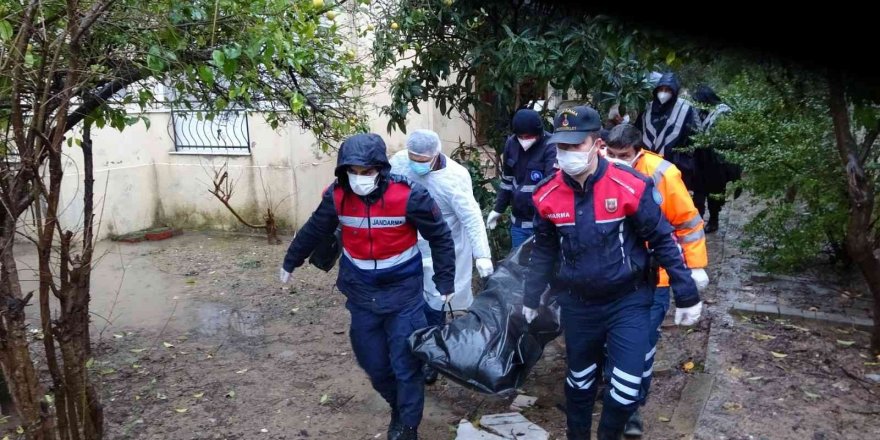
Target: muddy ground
<point x="778" y="378"/>
<point x="197" y="340"/>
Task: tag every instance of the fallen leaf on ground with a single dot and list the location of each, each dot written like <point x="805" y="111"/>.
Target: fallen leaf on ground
<point x="803" y="329"/>
<point x="198" y="395"/>
<point x="663" y="419"/>
<point x="778" y="355"/>
<point x="732" y="406"/>
<point x="168" y="345"/>
<point x="118" y="336"/>
<point x="230" y="394"/>
<point x="845" y="343"/>
<point x="137" y="350"/>
<point x="811" y="395"/>
<point x="324" y="399"/>
<point x="756" y="378"/>
<point x="688" y="366"/>
<point x="763" y="337"/>
<point x="181" y="410"/>
<point x="242" y="371"/>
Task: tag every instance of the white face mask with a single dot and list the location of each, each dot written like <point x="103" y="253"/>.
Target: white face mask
<point x="629" y="163"/>
<point x="574" y="163"/>
<point x="626" y="119"/>
<point x="618" y="161"/>
<point x="664" y="97"/>
<point x="362" y="185"/>
<point x="527" y="143"/>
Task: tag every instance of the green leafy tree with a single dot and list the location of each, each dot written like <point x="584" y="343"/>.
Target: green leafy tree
<point x="807" y="142"/>
<point x="482" y="60"/>
<point x="95" y="63"/>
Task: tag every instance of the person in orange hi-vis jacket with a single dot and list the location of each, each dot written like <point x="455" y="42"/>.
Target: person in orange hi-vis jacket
<point x="623" y="145"/>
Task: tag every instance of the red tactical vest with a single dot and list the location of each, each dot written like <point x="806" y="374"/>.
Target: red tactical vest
<point x="615" y="196"/>
<point x="378" y="231"/>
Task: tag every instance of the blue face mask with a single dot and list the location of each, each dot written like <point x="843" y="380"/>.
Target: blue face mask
<point x="421" y="168"/>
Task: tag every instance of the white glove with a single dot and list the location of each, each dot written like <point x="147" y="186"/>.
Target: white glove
<point x="447" y="298"/>
<point x="701" y="278"/>
<point x="484" y="267"/>
<point x="492" y="220"/>
<point x="284" y="276"/>
<point x="530" y="314"/>
<point x="688" y="315"/>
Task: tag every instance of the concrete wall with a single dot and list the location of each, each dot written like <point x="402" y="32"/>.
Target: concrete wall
<point x="141" y="182"/>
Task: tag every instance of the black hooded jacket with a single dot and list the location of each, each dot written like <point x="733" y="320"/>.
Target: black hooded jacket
<point x="421" y="211"/>
<point x="667" y="128"/>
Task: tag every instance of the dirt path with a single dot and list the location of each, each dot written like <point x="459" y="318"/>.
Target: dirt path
<point x="205" y="344"/>
<point x="201" y="342"/>
<point x="782" y="379"/>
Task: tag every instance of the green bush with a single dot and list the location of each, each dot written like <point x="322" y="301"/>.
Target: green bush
<point x="780" y="133"/>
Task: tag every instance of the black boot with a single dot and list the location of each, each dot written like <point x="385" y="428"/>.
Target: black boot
<point x="606" y="434"/>
<point x="713" y="224"/>
<point x="634" y="426"/>
<point x="394" y="427"/>
<point x="715" y="205"/>
<point x="431" y="375"/>
<point x="406" y="433"/>
<point x="578" y="434"/>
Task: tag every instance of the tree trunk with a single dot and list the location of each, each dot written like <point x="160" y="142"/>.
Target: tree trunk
<point x="271" y="227"/>
<point x="861" y="199"/>
<point x="84" y="412"/>
<point x="15" y="357"/>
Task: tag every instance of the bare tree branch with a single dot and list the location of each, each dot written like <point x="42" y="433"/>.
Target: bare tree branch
<point x="223" y="191"/>
<point x="96" y="11"/>
<point x="94" y="101"/>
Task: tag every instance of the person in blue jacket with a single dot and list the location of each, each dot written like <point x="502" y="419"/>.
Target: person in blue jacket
<point x="593" y="220"/>
<point x="527" y="159"/>
<point x="380" y="271"/>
